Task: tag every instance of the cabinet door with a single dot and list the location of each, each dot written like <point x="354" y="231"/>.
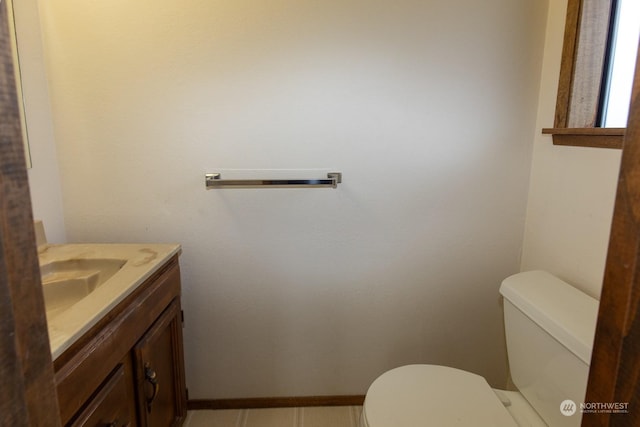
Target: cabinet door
<point x="159" y="366"/>
<point x="113" y="404"/>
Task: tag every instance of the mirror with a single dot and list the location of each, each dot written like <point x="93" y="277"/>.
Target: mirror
<point x="18" y="77"/>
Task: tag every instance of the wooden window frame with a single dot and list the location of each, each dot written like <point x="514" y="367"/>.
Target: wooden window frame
<point x="584" y="55"/>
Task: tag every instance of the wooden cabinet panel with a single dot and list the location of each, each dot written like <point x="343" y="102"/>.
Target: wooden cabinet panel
<point x="159" y="371"/>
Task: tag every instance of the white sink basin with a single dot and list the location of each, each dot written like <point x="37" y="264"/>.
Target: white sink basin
<point x="82" y="282"/>
<point x="67" y="282"/>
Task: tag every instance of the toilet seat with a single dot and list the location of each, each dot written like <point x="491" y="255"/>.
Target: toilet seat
<point x="421" y="395"/>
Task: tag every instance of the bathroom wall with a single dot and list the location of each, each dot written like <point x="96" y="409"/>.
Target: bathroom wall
<point x="44" y="175"/>
<point x="572" y="189"/>
<point x="427" y="107"/>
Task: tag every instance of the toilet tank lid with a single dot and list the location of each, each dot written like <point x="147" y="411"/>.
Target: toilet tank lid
<point x="566" y="313"/>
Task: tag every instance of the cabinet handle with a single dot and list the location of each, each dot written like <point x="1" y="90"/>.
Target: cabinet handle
<point x="152" y="378"/>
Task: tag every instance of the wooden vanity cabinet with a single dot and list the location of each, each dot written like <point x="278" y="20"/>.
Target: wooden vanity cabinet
<point x="128" y="370"/>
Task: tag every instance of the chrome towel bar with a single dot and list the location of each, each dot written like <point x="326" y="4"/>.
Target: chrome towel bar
<point x="214" y="180"/>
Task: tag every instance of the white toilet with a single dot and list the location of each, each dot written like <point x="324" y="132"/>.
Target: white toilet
<point x="549" y="327"/>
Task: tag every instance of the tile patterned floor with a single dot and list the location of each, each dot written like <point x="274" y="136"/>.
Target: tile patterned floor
<point x="326" y="416"/>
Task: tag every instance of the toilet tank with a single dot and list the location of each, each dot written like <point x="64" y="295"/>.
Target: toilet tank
<point x="549" y="327"/>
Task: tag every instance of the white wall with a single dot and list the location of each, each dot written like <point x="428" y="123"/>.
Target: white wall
<point x="572" y="189"/>
<point x="427" y="107"/>
<point x="44" y="175"/>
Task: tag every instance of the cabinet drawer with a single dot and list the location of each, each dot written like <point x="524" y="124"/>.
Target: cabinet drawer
<point x="112" y="404"/>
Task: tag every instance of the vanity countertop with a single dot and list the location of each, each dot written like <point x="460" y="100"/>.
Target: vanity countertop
<point x="142" y="260"/>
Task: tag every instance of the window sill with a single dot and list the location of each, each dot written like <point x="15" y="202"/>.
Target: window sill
<point x="587" y="137"/>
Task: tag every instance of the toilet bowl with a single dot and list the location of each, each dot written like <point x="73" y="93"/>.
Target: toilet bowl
<point x="415" y="395"/>
<point x="549" y="328"/>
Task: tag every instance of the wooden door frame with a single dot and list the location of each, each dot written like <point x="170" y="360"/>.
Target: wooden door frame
<point x="27" y="392"/>
<point x="614" y="376"/>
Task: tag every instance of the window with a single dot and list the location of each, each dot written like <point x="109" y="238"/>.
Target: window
<point x="586" y="107"/>
<point x="623" y="47"/>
